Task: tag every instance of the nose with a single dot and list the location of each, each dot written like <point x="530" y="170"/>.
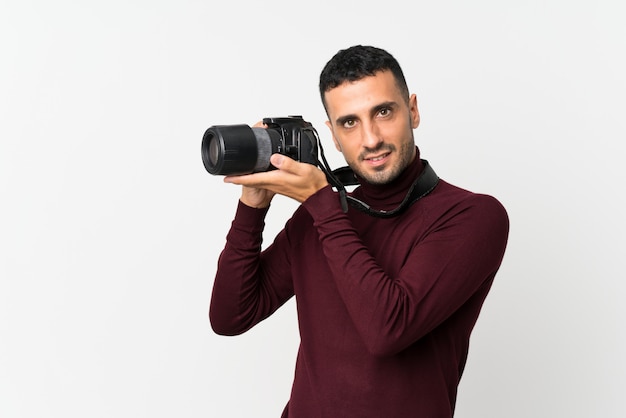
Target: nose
<point x="371" y="137"/>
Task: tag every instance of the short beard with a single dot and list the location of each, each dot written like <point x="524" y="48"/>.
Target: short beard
<point x="406" y="153"/>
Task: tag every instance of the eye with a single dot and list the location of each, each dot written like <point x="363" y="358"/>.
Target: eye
<point x="349" y="123"/>
<point x="385" y="111"/>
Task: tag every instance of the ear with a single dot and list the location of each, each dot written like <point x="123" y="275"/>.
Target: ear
<point x="415" y="114"/>
<point x="332" y="133"/>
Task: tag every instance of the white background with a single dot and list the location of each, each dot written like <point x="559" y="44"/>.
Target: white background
<point x="110" y="227"/>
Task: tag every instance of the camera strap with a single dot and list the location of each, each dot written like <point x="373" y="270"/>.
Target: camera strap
<point x="423" y="185"/>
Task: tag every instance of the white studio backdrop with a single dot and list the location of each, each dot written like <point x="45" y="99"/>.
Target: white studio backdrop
<point x="110" y="227"/>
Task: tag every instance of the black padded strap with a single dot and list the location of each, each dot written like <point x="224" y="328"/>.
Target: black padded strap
<point x="423" y="185"/>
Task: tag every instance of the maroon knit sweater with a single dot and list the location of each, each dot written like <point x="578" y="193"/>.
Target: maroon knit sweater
<point x="385" y="306"/>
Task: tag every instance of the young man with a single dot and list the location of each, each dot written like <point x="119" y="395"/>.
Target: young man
<point x="386" y="305"/>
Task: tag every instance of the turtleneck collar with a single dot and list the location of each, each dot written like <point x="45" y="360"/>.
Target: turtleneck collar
<point x="388" y="196"/>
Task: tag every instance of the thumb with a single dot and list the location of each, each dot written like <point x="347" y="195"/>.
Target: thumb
<point x="277" y="160"/>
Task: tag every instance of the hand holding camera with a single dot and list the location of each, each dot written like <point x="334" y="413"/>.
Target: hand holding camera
<point x="290" y="178"/>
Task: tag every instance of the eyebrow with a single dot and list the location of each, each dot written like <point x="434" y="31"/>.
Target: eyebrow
<point x="384" y="105"/>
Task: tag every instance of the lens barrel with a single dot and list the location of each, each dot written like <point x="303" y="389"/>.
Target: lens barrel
<point x="238" y="149"/>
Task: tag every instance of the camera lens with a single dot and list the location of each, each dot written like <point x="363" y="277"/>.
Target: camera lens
<point x="214" y="150"/>
<point x="238" y="149"/>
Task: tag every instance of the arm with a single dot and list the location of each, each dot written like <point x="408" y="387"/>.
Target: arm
<point x="249" y="285"/>
<point x="248" y="288"/>
<point x="458" y="256"/>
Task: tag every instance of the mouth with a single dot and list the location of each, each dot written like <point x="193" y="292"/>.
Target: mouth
<point x="377" y="160"/>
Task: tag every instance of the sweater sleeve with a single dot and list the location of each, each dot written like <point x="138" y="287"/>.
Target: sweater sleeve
<point x="248" y="287"/>
<point x="457" y="257"/>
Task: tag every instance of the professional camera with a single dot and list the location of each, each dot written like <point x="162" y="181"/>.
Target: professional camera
<point x="240" y="149"/>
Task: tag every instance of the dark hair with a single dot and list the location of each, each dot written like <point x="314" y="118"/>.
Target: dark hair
<point x="357" y="62"/>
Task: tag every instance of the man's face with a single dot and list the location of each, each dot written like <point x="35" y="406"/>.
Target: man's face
<point x="372" y="125"/>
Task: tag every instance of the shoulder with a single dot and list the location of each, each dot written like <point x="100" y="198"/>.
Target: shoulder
<point x="449" y="203"/>
<point x="446" y="194"/>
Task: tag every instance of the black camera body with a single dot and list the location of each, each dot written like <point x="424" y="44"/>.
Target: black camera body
<point x="240" y="149"/>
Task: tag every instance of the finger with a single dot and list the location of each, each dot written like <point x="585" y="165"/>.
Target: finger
<point x="258" y="180"/>
<point x="287" y="164"/>
<point x="293" y="167"/>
